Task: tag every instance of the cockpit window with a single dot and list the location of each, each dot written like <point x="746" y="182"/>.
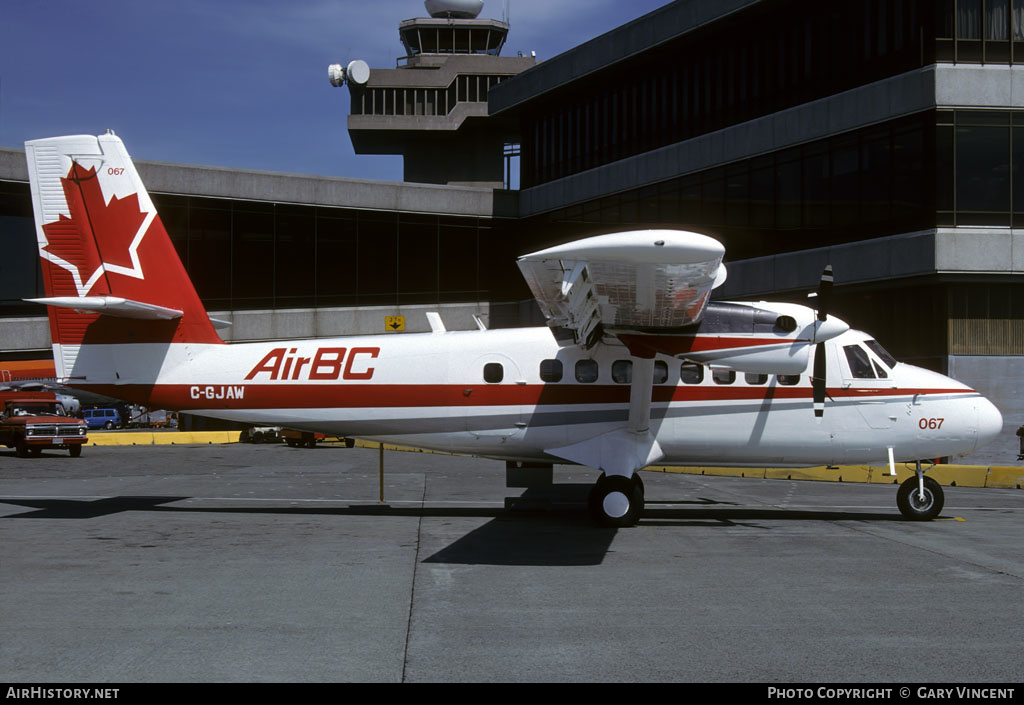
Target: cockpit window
<point x="880" y="370"/>
<point x="882" y="353"/>
<point x="860" y="365"/>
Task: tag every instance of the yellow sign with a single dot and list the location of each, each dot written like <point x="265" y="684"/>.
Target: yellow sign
<point x="394" y="322"/>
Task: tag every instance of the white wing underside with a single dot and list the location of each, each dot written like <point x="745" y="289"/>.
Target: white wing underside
<point x="636" y="280"/>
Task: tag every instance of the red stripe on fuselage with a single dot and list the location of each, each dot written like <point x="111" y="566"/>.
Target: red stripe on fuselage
<point x="680" y="344"/>
<point x="311" y="396"/>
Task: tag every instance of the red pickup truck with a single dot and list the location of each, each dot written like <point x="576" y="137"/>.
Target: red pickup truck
<point x="32" y="425"/>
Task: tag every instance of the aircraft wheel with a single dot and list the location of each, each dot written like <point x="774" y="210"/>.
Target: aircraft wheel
<point x="616" y="501"/>
<point x="639" y="482"/>
<point x="74" y="451"/>
<point x="913" y="507"/>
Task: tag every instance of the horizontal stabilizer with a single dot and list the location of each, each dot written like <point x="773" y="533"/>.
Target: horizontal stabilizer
<point x="112" y="306"/>
<point x="618" y="452"/>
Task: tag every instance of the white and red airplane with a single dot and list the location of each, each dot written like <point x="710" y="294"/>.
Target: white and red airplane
<point x="636" y="367"/>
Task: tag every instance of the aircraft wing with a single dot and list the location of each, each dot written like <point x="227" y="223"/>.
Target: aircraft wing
<point x="647" y="280"/>
<point x="651" y="290"/>
<point x="641" y="280"/>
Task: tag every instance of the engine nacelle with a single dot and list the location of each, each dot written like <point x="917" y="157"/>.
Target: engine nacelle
<point x="763" y="338"/>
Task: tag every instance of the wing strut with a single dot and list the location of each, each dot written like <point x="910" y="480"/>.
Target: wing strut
<point x="623" y="450"/>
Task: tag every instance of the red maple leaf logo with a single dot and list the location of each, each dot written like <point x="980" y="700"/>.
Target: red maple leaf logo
<point x="74" y="240"/>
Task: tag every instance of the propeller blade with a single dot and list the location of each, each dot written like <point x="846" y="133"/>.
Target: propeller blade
<point x="818" y="378"/>
<point x="825" y="293"/>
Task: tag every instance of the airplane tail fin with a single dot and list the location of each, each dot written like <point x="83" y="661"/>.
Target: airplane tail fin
<point x="110" y="270"/>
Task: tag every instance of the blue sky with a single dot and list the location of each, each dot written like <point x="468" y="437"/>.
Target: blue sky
<point x="230" y="82"/>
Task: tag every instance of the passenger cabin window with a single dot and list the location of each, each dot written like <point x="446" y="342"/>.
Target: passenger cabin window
<point x="622" y="371"/>
<point x="660" y="372"/>
<point x="755" y="378"/>
<point x="493" y="372"/>
<point x="691" y="373"/>
<point x="551" y="370"/>
<point x="860" y="364"/>
<point x="723" y="376"/>
<point x="586" y="371"/>
<point x="789" y="380"/>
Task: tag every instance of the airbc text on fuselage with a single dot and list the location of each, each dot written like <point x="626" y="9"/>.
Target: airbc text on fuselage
<point x="324" y="365"/>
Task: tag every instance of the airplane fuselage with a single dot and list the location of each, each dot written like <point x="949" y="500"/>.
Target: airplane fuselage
<point x="513" y="393"/>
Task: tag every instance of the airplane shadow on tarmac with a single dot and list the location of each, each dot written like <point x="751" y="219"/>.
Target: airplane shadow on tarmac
<point x="533" y="533"/>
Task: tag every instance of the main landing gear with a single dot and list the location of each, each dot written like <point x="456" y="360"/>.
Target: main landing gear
<point x="920" y="498"/>
<point x="616" y="501"/>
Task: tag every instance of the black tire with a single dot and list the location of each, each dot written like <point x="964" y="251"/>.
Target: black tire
<point x="616" y="501"/>
<point x="74" y="451"/>
<point x="35" y="452"/>
<point x="913" y="507"/>
<point x="292" y="443"/>
<point x="311" y="442"/>
<point x="257" y="437"/>
<point x="21" y="449"/>
<point x="639" y="482"/>
<point x="350" y="442"/>
<point x="109" y="425"/>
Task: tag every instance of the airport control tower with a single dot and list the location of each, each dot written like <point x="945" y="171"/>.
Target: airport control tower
<point x="432" y="108"/>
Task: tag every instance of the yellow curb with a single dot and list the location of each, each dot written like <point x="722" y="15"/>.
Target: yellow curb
<point x="949" y="475"/>
<point x="169" y="438"/>
<point x="1004" y="477"/>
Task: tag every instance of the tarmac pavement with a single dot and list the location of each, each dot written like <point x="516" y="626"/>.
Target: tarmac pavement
<point x="247" y="563"/>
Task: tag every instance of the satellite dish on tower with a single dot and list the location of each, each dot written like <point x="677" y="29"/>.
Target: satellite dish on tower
<point x="462" y="9"/>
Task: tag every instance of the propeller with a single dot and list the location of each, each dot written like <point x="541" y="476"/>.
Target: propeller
<point x="818" y="378"/>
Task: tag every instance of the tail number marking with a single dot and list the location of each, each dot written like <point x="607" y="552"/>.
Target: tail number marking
<point x="930" y="424"/>
<point x="326" y="364"/>
<point x="217" y="392"/>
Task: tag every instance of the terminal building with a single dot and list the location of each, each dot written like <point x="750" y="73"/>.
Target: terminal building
<point x="883" y="137"/>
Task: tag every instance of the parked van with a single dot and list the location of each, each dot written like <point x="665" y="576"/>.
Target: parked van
<point x="102" y="418"/>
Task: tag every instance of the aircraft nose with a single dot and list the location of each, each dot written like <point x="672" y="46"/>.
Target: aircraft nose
<point x="990" y="421"/>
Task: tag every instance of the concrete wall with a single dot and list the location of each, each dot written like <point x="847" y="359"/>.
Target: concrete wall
<point x="276" y="187"/>
<point x="940" y="251"/>
<point x="1001" y="379"/>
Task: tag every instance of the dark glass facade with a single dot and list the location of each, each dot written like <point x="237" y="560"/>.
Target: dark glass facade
<point x="251" y="254"/>
<point x="753" y="63"/>
<point x="937" y="168"/>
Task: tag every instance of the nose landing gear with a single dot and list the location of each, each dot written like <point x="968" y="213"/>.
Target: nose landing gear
<point x="920" y="498"/>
